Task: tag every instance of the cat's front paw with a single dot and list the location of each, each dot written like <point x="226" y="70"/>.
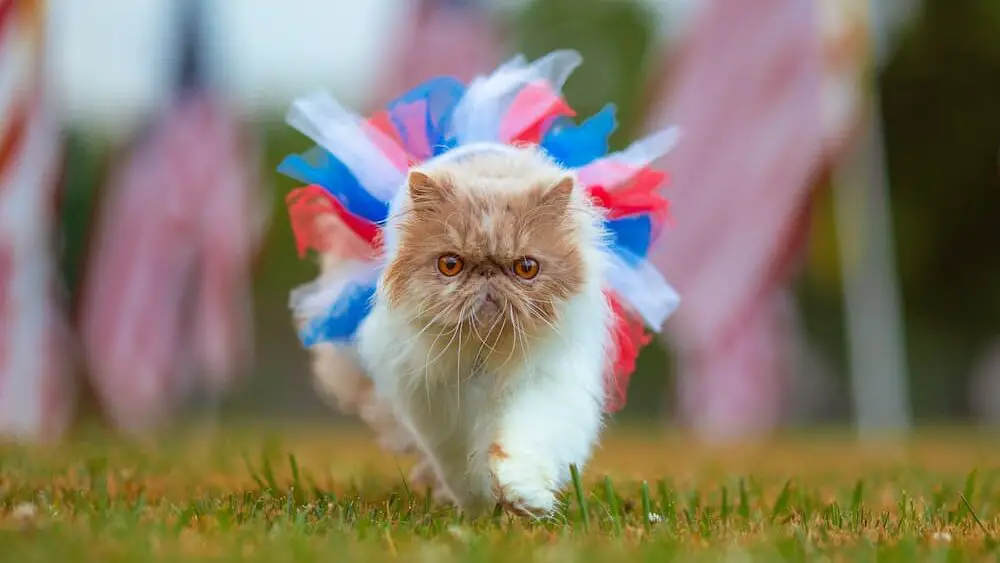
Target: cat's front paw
<point x="424" y="476"/>
<point x="521" y="483"/>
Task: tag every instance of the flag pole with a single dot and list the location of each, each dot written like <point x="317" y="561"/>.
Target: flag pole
<point x="872" y="310"/>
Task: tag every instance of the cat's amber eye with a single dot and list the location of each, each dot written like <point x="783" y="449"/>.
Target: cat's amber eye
<point x="450" y="265"/>
<point x="526" y="268"/>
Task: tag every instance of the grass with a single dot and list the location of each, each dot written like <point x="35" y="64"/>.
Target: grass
<point x="312" y="494"/>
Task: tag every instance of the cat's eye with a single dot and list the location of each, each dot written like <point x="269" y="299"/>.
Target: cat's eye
<point x="526" y="268"/>
<point x="450" y="265"/>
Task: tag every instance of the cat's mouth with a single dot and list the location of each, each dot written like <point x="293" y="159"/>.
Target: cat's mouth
<point x="489" y="304"/>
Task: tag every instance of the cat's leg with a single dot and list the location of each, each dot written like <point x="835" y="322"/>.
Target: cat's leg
<point x="445" y="440"/>
<point x="425" y="403"/>
<point x="551" y="420"/>
<point x="424" y="475"/>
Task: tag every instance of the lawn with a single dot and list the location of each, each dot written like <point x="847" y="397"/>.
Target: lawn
<point x="323" y="493"/>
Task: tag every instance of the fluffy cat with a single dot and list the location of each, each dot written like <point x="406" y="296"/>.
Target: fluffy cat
<point x="487" y="344"/>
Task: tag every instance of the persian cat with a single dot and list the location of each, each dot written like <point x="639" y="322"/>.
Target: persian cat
<point x="489" y="336"/>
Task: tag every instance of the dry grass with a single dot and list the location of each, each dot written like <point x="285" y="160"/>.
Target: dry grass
<point x="309" y="493"/>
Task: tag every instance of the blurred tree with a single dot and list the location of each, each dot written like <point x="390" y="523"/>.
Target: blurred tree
<point x="616" y="39"/>
<point x="80" y="180"/>
<point x="942" y="121"/>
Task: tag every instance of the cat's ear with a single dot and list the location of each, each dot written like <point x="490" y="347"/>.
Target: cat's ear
<point x="425" y="190"/>
<point x="559" y="194"/>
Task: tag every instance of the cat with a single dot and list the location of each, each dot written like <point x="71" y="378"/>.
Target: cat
<point x="490" y="332"/>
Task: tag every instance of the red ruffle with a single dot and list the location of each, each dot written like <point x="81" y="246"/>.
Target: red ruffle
<point x="629" y="336"/>
<point x="641" y="194"/>
<point x="531" y="112"/>
<point x="309" y="203"/>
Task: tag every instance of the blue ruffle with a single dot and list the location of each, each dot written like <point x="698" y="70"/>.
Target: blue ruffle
<point x="439" y="97"/>
<point x="631" y="237"/>
<point x="341" y="321"/>
<point x="574" y="146"/>
<point x="318" y="166"/>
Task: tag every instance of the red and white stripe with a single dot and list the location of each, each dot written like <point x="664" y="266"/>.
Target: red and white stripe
<point x="36" y="392"/>
<point x="166" y="296"/>
<point x="746" y="92"/>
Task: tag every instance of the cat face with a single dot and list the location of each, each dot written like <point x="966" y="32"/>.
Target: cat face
<point x="494" y="253"/>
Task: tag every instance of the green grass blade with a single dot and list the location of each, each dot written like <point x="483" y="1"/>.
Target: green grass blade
<point x="744" y="509"/>
<point x="613" y="510"/>
<point x="647" y="508"/>
<point x="781" y="504"/>
<point x="581" y="498"/>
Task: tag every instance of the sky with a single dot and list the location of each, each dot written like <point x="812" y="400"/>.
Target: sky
<point x="111" y="61"/>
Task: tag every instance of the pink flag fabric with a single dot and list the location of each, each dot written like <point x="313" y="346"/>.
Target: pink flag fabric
<point x="166" y="297"/>
<point x="36" y="390"/>
<point x="746" y="93"/>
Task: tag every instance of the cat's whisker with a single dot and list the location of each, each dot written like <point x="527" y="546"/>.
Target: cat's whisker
<point x="464" y="316"/>
<point x="428" y="363"/>
<point x="446" y="311"/>
<point x="444" y="348"/>
<point x="541" y="317"/>
<point x="510" y="308"/>
<point x="484" y="342"/>
<point x="521" y="338"/>
<point x="518" y="338"/>
<point x="426" y="379"/>
<point x="474" y="321"/>
<point x="500" y="332"/>
<point x="539" y="314"/>
<point x="429" y="305"/>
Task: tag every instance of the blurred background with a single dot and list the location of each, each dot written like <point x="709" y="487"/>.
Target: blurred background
<point x="836" y="197"/>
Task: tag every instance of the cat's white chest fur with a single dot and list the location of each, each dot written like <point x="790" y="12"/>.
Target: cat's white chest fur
<point x="496" y="427"/>
<point x="497" y="437"/>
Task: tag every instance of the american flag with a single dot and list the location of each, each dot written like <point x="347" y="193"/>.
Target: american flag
<point x="36" y="392"/>
<point x="457" y="38"/>
<point x="165" y="307"/>
<point x="747" y="93"/>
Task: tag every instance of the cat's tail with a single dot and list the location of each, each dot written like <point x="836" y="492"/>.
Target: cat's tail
<point x="343" y="384"/>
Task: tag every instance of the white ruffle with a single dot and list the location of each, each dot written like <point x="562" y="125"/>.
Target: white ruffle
<point x="644" y="290"/>
<point x="607" y="171"/>
<point x="478" y="114"/>
<point x="342" y="133"/>
<point x="316" y="298"/>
